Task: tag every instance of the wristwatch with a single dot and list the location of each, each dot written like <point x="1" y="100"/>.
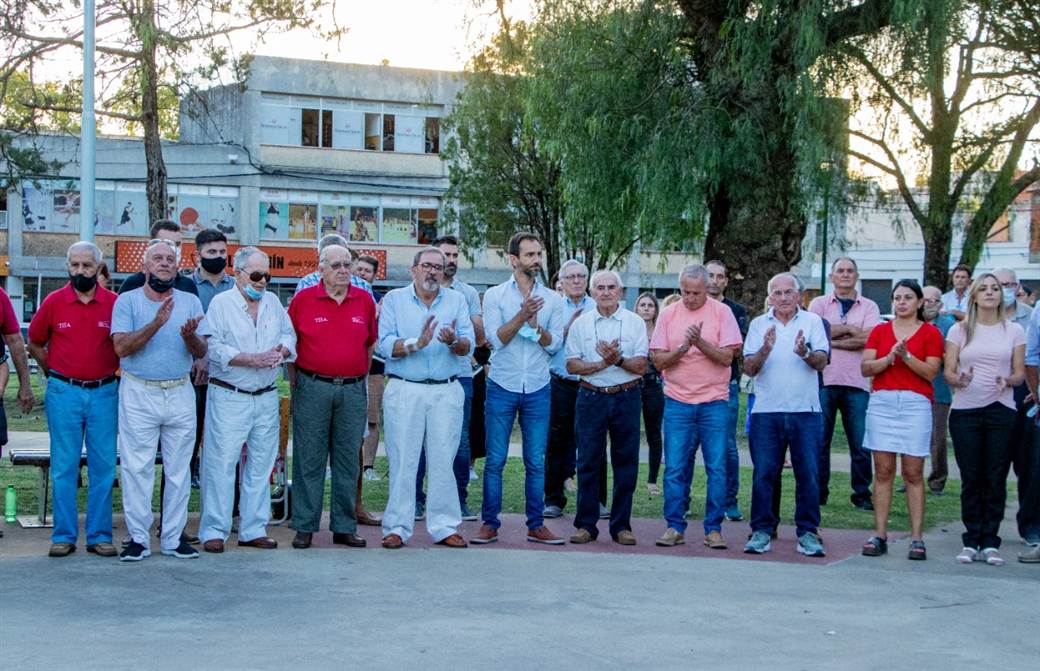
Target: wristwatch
<point x="620" y="361"/>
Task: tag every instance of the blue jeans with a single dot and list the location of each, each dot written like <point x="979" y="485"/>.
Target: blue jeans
<point x="461" y="464"/>
<point x="500" y="411"/>
<point x="771" y="434"/>
<point x="687" y="426"/>
<point x="75" y="414"/>
<point x="596" y="415"/>
<point x="853" y="405"/>
<point x="732" y="455"/>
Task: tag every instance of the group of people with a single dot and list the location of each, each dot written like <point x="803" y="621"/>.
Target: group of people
<point x="188" y="365"/>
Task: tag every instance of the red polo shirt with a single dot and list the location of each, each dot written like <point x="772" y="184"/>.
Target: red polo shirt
<point x="333" y="338"/>
<point x="78" y="335"/>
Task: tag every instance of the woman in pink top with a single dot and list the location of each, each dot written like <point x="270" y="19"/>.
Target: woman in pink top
<point x="985" y="358"/>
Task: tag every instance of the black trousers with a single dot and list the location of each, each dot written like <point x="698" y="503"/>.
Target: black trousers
<point x="982" y="446"/>
<point x="653" y="414"/>
<point x="561" y="454"/>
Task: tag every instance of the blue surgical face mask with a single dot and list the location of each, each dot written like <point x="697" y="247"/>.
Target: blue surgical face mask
<point x="1009" y="296"/>
<point x="253" y="293"/>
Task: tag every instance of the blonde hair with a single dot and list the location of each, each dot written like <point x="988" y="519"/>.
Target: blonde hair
<point x="971" y="319"/>
<point x="669" y="300"/>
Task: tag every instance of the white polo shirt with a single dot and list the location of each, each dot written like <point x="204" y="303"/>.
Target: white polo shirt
<point x="590" y="328"/>
<point x="786" y="383"/>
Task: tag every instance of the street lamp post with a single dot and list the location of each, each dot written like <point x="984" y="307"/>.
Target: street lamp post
<point x="88" y="129"/>
<point x="826" y="165"/>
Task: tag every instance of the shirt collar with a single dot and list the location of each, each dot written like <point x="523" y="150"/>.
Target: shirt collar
<point x="70" y="295"/>
<point x="436" y="299"/>
<point x="516" y="285"/>
<point x="352" y="291"/>
<point x="580" y="304"/>
<point x="835" y="299"/>
<point x="197" y="276"/>
<point x="615" y="315"/>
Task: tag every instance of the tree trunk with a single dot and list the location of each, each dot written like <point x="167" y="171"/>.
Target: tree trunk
<point x="155" y="167"/>
<point x="937" y="257"/>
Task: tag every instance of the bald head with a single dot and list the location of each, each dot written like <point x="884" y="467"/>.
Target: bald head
<point x="932" y="304"/>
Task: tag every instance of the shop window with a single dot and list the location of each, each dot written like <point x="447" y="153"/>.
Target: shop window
<point x="373" y="131"/>
<point x="326" y="128"/>
<point x="427" y="226"/>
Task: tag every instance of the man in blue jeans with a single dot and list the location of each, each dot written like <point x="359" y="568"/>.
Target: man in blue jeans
<point x="607" y="347"/>
<point x="784" y="350"/>
<point x="524" y="324"/>
<point x="69" y="338"/>
<point x="693" y="346"/>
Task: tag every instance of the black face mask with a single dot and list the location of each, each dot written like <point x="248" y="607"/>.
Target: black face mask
<point x="83" y="283"/>
<point x="159" y="286"/>
<point x="213" y="264"/>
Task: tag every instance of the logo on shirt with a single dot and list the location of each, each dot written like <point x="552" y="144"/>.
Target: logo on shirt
<point x="357" y="320"/>
<point x="320" y="320"/>
<point x="64" y="325"/>
<point x="104" y="325"/>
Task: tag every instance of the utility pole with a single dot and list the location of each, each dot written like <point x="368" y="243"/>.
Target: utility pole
<point x="828" y="167"/>
<point x="88" y="129"/>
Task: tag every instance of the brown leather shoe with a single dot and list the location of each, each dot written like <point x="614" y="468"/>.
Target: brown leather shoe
<point x="367" y="519"/>
<point x="350" y="540"/>
<point x="484" y="535"/>
<point x="302" y="541"/>
<point x="214" y="545"/>
<point x="453" y="541"/>
<point x="581" y="536"/>
<point x="392" y="542"/>
<point x="264" y="543"/>
<point x="103" y="549"/>
<point x="61" y="549"/>
<point x="715" y="541"/>
<point x="544" y="536"/>
<point x="625" y="537"/>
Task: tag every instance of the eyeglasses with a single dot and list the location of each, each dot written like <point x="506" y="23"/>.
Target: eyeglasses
<point x="336" y="265"/>
<point x="783" y="293"/>
<point x="933" y="301"/>
<point x="434" y="267"/>
<point x="164" y="241"/>
<point x="256" y="276"/>
<point x="1009" y="285"/>
<point x="574" y="276"/>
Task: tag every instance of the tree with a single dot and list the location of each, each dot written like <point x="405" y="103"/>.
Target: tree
<point x="150" y="53"/>
<point x="954" y="97"/>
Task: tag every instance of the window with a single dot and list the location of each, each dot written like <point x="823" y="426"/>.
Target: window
<point x="370" y="218"/>
<point x="388" y="132"/>
<point x="33" y="293"/>
<point x="373" y="132"/>
<point x="326" y="128"/>
<point x="309" y="128"/>
<point x="433" y="135"/>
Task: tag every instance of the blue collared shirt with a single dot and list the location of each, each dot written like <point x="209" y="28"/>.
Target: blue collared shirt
<point x="559" y="360"/>
<point x="207" y="290"/>
<point x="1033" y="340"/>
<point x="402" y="315"/>
<point x="522" y="366"/>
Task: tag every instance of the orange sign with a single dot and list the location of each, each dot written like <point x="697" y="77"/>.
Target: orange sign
<point x="285" y="261"/>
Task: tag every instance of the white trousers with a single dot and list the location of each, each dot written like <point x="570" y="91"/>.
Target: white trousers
<point x="231" y="420"/>
<point x="417" y="413"/>
<point x="148" y="416"/>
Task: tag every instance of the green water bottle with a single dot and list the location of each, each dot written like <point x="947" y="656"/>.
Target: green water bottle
<point x="10" y="505"/>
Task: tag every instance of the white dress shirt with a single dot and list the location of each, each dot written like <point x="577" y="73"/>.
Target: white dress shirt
<point x="231" y="331"/>
<point x="591" y="328"/>
<point x="522" y="366"/>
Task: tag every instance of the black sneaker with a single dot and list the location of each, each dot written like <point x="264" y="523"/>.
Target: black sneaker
<point x="183" y="551"/>
<point x="134" y="552"/>
<point x="864" y="504"/>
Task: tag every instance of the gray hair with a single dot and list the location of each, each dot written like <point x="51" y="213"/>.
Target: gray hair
<point x="160" y="243"/>
<point x="573" y="262"/>
<point x="243" y="255"/>
<point x="332" y="239"/>
<point x="855" y="266"/>
<point x="323" y="255"/>
<point x="596" y="274"/>
<point x="1003" y="269"/>
<point x="84" y="246"/>
<point x="428" y="250"/>
<point x="798" y="286"/>
<point x="694" y="271"/>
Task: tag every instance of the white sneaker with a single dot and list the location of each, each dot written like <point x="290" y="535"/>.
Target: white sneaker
<point x="1031" y="555"/>
<point x="992" y="556"/>
<point x="473" y="474"/>
<point x="371" y="476"/>
<point x="967" y="556"/>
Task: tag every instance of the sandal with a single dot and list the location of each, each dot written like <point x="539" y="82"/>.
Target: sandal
<point x="917" y="551"/>
<point x="875" y="547"/>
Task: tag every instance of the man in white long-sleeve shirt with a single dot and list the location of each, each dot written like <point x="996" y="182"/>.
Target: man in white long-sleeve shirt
<point x="250" y="336"/>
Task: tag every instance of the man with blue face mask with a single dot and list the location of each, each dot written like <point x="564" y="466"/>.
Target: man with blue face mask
<point x="1022" y="444"/>
<point x="250" y="336"/>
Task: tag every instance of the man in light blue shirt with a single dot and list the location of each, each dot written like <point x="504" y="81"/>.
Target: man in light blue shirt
<point x="561" y="453"/>
<point x="423" y="329"/>
<point x="1030" y="502"/>
<point x="524" y="322"/>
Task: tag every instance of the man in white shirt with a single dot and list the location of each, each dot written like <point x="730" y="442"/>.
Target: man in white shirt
<point x="250" y="336"/>
<point x="607" y="348"/>
<point x="784" y="351"/>
<point x="955" y="301"/>
<point x="524" y="323"/>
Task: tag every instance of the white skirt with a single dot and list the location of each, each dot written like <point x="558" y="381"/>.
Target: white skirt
<point x="900" y="422"/>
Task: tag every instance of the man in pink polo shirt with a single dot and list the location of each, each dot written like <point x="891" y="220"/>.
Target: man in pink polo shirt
<point x="693" y="346"/>
<point x="851" y="317"/>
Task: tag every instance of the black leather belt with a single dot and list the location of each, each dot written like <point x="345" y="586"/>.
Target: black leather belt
<point x="612" y="389"/>
<point x="426" y="381"/>
<point x="86" y="384"/>
<point x="225" y="385"/>
<point x="332" y="380"/>
<point x="565" y="380"/>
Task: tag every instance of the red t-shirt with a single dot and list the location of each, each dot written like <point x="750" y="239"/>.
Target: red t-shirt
<point x="925" y="342"/>
<point x="8" y="319"/>
<point x="332" y="338"/>
<point x="78" y="335"/>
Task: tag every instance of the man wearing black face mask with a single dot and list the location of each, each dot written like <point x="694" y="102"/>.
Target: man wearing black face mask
<point x="210" y="279"/>
<point x="163" y="229"/>
<point x="82" y="398"/>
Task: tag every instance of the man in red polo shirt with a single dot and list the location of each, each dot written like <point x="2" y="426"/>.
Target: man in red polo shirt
<point x="336" y="327"/>
<point x="70" y="338"/>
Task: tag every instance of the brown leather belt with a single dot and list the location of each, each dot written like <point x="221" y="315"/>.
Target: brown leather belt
<point x="612" y="389"/>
